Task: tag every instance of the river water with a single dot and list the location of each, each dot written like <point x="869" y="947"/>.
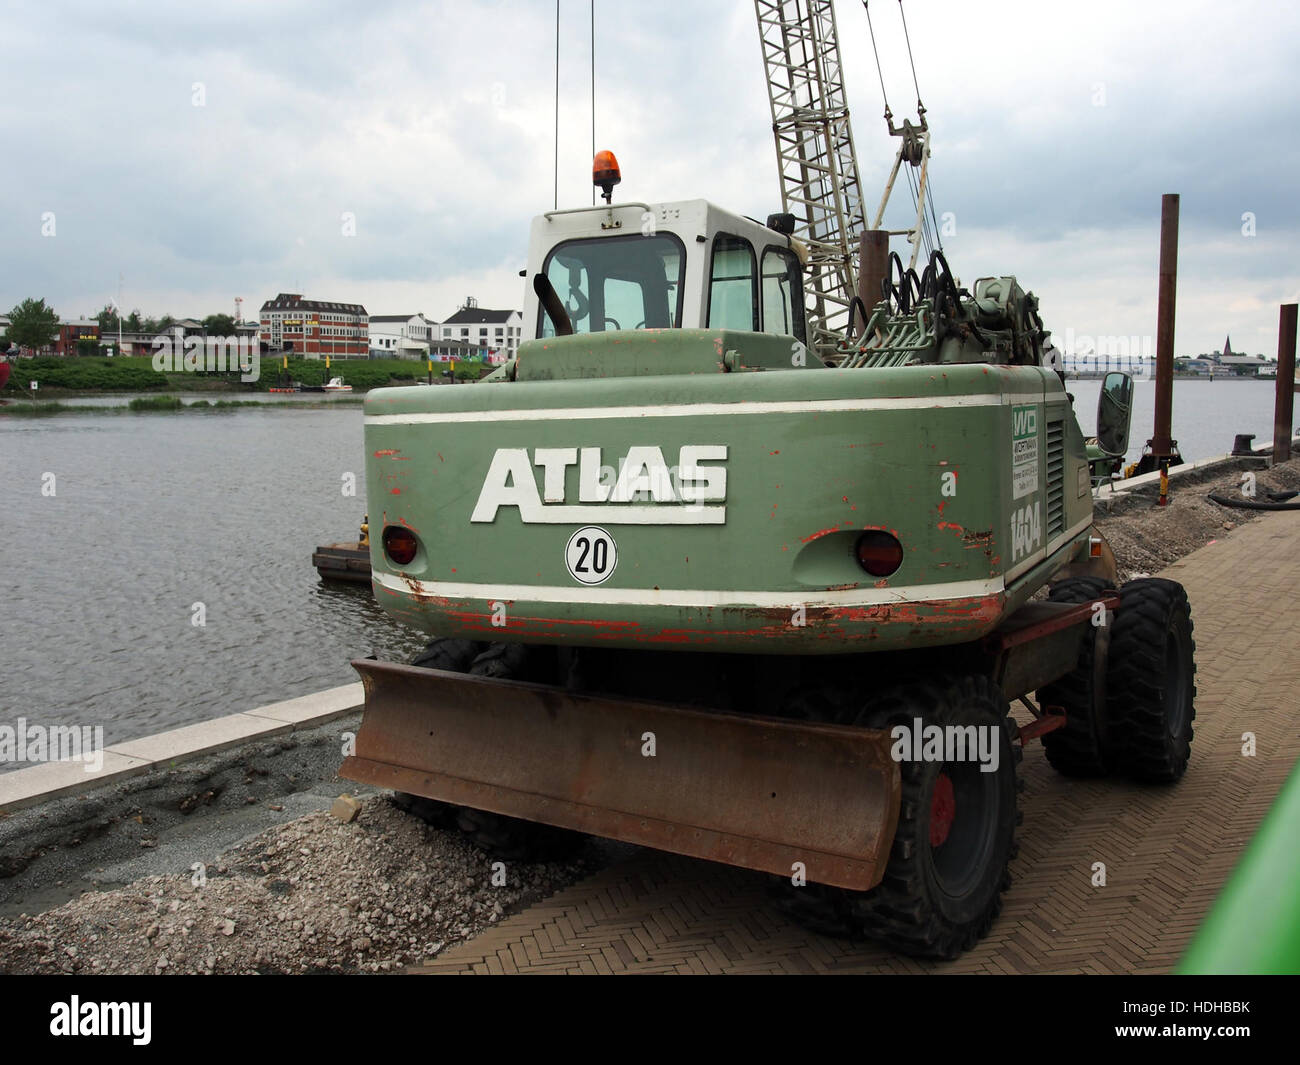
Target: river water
<point x="155" y="513"/>
<point x="152" y="514"/>
<point x="1206" y="414"/>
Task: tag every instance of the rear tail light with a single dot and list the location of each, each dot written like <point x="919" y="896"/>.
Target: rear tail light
<point x="400" y="545"/>
<point x="879" y="553"/>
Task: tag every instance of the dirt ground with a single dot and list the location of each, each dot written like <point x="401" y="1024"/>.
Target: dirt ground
<point x="313" y="895"/>
<point x="1146" y="538"/>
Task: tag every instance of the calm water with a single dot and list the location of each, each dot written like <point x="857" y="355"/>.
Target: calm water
<point x="155" y="512"/>
<point x="1206" y="414"/>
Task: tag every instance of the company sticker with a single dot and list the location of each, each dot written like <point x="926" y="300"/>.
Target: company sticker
<point x="1024" y="451"/>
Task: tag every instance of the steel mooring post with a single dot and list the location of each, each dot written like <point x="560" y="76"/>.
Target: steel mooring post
<point x="1161" y="444"/>
<point x="1284" y="404"/>
<point x="873" y="268"/>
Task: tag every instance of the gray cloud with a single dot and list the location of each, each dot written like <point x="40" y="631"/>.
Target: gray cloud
<point x="432" y="124"/>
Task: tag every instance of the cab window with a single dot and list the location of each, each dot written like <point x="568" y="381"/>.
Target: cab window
<point x="625" y="282"/>
<point x="783" y="310"/>
<point x="733" y="286"/>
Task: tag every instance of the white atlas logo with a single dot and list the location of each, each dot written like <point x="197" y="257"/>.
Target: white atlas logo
<point x="645" y="490"/>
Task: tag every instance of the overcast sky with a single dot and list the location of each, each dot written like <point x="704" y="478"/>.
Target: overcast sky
<point x="1057" y="127"/>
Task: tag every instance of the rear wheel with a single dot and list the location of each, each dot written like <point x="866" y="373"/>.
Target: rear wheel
<point x="1084" y="746"/>
<point x="512" y="837"/>
<point x="455" y="656"/>
<point x="1151" y="681"/>
<point x="948" y="863"/>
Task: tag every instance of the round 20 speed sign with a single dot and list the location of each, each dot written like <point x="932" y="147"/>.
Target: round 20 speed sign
<point x="590" y="555"/>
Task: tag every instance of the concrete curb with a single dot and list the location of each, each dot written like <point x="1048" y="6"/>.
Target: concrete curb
<point x="27" y="787"/>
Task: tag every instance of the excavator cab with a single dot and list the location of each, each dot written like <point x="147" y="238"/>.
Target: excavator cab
<point x="687" y="265"/>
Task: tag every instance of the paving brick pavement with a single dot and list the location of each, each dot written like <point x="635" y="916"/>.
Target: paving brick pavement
<point x="1167" y="851"/>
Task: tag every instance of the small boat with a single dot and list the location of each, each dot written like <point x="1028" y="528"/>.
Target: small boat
<point x="336" y="384"/>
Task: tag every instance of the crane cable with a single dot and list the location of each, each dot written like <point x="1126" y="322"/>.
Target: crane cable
<point x="929" y="194"/>
<point x="879" y="70"/>
<point x="927" y="238"/>
<point x="933" y="215"/>
<point x="557" y="106"/>
<point x="930" y="220"/>
<point x="908" y="39"/>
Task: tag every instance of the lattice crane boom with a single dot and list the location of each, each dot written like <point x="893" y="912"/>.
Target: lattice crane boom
<point x="820" y="184"/>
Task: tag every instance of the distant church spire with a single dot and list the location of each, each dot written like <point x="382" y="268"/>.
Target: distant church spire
<point x="1227" y="346"/>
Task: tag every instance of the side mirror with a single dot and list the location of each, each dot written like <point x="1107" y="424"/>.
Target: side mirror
<point x="1114" y="413"/>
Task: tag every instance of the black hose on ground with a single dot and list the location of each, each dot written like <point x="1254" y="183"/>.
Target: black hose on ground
<point x="1250" y="504"/>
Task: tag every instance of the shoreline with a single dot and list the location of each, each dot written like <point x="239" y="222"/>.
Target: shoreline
<point x="51" y="408"/>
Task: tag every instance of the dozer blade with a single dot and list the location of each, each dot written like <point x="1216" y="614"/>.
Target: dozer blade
<point x="757" y="792"/>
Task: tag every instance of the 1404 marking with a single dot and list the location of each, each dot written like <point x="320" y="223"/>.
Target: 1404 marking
<point x="1026" y="530"/>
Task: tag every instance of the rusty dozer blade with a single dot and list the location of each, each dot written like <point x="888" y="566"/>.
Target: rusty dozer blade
<point x="758" y="792"/>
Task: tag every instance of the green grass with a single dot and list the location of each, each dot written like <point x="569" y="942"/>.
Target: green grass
<point x="156" y="403"/>
<point x="135" y="373"/>
<point x="94" y="374"/>
<point x="36" y="410"/>
<point x="362" y="374"/>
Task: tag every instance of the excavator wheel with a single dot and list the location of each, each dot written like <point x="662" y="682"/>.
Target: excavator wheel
<point x="1151" y="680"/>
<point x="948" y="864"/>
<point x="512" y="838"/>
<point x="455" y="656"/>
<point x="1085" y="746"/>
<point x="504" y="837"/>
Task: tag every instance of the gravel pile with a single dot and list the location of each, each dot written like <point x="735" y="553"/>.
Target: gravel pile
<point x="1147" y="538"/>
<point x="312" y="895"/>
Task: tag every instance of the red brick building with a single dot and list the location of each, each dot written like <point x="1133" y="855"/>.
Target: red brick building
<point x="314" y="328"/>
<point x="72" y="331"/>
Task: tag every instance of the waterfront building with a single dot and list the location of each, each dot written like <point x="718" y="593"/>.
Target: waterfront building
<point x="314" y="328"/>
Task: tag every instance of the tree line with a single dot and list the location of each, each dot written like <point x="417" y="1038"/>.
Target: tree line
<point x="34" y="325"/>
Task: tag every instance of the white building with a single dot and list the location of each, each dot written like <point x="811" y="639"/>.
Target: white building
<point x="401" y="336"/>
<point x="497" y="332"/>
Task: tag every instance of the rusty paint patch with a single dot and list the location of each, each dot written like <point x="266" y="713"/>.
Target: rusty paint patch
<point x="824" y="532"/>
